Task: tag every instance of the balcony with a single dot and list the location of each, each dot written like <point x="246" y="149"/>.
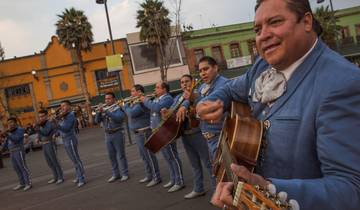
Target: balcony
<point x="348" y="47"/>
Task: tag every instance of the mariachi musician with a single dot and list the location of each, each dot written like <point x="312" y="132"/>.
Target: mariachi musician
<point x="112" y="117"/>
<point x="66" y="126"/>
<point x="14" y="141"/>
<point x="194" y="143"/>
<point x="46" y="131"/>
<point x="164" y="100"/>
<point x="139" y="117"/>
<point x="208" y="71"/>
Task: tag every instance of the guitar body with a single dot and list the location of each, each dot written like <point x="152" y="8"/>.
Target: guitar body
<point x="243" y="135"/>
<point x="164" y="134"/>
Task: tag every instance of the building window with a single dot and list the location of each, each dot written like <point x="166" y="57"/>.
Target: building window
<point x="235" y="50"/>
<point x="345" y="32"/>
<point x="21" y="90"/>
<point x="357" y="29"/>
<point x="199" y="53"/>
<point x="217" y="54"/>
<point x="147" y="58"/>
<point x="105" y="79"/>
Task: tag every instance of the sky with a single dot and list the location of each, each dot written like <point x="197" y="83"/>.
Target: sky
<point x="26" y="26"/>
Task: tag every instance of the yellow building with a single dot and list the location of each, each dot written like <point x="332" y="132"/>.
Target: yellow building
<point x="46" y="78"/>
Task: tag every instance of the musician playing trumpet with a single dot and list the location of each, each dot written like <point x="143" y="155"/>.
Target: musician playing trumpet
<point x="45" y="135"/>
<point x="14" y="141"/>
<point x="139" y="117"/>
<point x="113" y="120"/>
<point x="66" y="125"/>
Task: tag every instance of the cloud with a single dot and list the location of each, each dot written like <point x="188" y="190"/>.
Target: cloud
<point x="13" y="36"/>
<point x="122" y="20"/>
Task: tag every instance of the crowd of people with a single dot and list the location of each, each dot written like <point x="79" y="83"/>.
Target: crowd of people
<point x="308" y="94"/>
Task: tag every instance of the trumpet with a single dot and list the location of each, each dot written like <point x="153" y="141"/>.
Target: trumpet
<point x="134" y="99"/>
<point x="111" y="108"/>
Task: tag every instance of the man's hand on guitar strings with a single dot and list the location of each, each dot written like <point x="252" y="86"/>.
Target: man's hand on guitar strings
<point x="210" y="111"/>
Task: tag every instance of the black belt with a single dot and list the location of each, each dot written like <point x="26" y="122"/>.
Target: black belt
<point x="113" y="130"/>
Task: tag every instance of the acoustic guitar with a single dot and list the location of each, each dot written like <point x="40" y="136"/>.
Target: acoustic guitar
<point x="240" y="143"/>
<point x="168" y="129"/>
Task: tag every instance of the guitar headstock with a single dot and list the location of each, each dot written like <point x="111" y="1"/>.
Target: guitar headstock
<point x="254" y="198"/>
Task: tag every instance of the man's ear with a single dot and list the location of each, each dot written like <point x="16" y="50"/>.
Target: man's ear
<point x="308" y="22"/>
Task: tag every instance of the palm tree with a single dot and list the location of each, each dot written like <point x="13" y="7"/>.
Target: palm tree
<point x="154" y="24"/>
<point x="328" y="21"/>
<point x="2" y="52"/>
<point x="74" y="32"/>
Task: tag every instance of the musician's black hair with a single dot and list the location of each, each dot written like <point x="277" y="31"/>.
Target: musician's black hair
<point x="210" y="60"/>
<point x="166" y="86"/>
<point x="110" y="94"/>
<point x="188" y="76"/>
<point x="300" y="8"/>
<point x="12" y="118"/>
<point x="66" y="102"/>
<point x="139" y="87"/>
<point x="43" y="111"/>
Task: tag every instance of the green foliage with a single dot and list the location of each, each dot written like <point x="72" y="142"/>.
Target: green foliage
<point x="328" y="21"/>
<point x="154" y="23"/>
<point x="74" y="30"/>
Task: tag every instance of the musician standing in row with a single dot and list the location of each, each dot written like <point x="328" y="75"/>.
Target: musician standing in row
<point x="208" y="71"/>
<point x="113" y="120"/>
<point x="194" y="143"/>
<point x="46" y="130"/>
<point x="164" y="100"/>
<point x="309" y="99"/>
<point x="14" y="141"/>
<point x="139" y="117"/>
<point x="66" y="126"/>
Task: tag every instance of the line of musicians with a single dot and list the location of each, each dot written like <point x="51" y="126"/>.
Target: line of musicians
<point x="64" y="125"/>
<point x="145" y="114"/>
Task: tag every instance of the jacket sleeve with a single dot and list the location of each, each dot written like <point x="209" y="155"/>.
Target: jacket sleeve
<point x="98" y="118"/>
<point x="67" y="124"/>
<point x="17" y="136"/>
<point x="337" y="131"/>
<point x="117" y="116"/>
<point x="46" y="130"/>
<point x="166" y="102"/>
<point x="234" y="90"/>
<point x="134" y="111"/>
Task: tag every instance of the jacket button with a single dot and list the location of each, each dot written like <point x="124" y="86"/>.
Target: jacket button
<point x="267" y="124"/>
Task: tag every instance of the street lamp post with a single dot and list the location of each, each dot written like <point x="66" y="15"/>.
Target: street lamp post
<point x="113" y="52"/>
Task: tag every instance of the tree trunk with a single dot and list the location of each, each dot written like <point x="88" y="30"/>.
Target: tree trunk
<point x="84" y="86"/>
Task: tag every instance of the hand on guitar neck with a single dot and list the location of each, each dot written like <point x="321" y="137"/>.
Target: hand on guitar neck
<point x="223" y="196"/>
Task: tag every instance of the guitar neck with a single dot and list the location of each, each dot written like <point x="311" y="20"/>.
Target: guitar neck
<point x="227" y="160"/>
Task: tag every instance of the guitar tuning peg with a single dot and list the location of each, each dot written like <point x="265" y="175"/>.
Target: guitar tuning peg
<point x="271" y="189"/>
<point x="282" y="196"/>
<point x="294" y="205"/>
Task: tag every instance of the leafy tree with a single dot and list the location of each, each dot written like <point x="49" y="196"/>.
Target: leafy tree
<point x="154" y="24"/>
<point x="74" y="32"/>
<point x="328" y="21"/>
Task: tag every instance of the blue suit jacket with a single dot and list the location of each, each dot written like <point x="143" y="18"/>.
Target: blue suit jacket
<point x="313" y="143"/>
<point x="139" y="115"/>
<point x="155" y="107"/>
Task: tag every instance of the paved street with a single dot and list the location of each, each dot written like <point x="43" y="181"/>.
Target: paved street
<point x="97" y="193"/>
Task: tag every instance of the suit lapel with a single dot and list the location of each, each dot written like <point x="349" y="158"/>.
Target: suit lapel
<point x="297" y="77"/>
